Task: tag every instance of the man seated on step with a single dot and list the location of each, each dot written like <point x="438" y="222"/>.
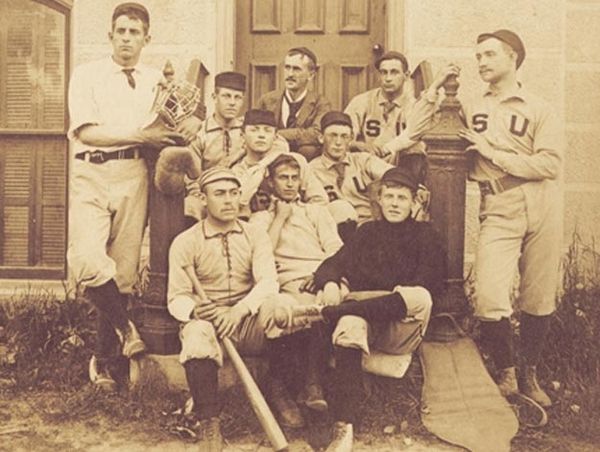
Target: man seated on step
<point x="388" y="121"/>
<point x="259" y="132"/>
<point x="233" y="262"/>
<point x="220" y="141"/>
<point x="303" y="235"/>
<point x="394" y="268"/>
<point x="346" y="176"/>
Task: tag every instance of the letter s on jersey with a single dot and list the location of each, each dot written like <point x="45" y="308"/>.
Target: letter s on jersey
<point x="372" y="128"/>
<point x="480" y="122"/>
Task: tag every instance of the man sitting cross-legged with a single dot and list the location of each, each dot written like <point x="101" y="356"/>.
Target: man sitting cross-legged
<point x="233" y="261"/>
<point x="303" y="235"/>
<point x="393" y="267"/>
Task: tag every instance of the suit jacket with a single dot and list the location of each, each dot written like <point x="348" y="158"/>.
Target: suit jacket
<point x="303" y="138"/>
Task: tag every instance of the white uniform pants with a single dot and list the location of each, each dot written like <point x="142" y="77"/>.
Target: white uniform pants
<point x="107" y="215"/>
<point x="520" y="229"/>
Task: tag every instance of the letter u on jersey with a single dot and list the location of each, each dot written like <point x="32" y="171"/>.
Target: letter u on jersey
<point x="516" y="129"/>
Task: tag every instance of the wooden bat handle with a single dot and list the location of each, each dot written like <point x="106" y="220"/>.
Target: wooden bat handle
<point x="257" y="401"/>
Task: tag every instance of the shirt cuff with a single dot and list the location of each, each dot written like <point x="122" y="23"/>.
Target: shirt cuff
<point x="181" y="307"/>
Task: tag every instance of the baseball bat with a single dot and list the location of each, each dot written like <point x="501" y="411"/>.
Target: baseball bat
<point x="257" y="401"/>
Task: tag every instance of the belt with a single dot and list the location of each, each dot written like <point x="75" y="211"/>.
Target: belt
<point x="500" y="185"/>
<point x="98" y="156"/>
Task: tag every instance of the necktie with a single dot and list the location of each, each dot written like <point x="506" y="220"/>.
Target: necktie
<point x="226" y="142"/>
<point x="388" y="107"/>
<point x="294" y="107"/>
<point x="130" y="79"/>
<point x="340" y="169"/>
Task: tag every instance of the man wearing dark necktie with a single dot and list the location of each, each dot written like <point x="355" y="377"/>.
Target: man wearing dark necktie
<point x="297" y="109"/>
<point x="110" y="103"/>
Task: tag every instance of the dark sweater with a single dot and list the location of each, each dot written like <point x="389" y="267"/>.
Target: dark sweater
<point x="383" y="255"/>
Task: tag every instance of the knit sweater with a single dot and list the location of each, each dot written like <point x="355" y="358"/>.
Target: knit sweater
<point x="383" y="255"/>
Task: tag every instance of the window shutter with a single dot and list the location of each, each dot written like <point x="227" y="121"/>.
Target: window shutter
<point x="33" y="144"/>
<point x="17" y="167"/>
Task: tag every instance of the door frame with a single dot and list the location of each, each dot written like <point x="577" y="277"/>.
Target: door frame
<point x="226" y="20"/>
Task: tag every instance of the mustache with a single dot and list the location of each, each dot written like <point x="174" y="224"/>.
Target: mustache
<point x="290" y="79"/>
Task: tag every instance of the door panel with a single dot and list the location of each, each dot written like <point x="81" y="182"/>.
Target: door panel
<point x="342" y="33"/>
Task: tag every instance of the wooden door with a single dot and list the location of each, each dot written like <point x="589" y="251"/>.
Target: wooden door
<point x="346" y="36"/>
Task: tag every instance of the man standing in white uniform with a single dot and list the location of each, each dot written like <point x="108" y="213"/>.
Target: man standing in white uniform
<point x="517" y="161"/>
<point x="110" y="101"/>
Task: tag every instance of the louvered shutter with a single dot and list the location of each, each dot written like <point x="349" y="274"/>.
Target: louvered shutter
<point x="33" y="145"/>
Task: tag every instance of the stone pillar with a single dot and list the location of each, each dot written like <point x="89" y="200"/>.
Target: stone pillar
<point x="447" y="182"/>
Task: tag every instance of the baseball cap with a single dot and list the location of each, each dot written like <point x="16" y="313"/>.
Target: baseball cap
<point x="392" y="55"/>
<point x="508" y="37"/>
<point x="335" y="117"/>
<point x="216" y="174"/>
<point x="255" y="117"/>
<point x="127" y="7"/>
<point x="231" y="80"/>
<point x="304" y="51"/>
<point x="400" y="176"/>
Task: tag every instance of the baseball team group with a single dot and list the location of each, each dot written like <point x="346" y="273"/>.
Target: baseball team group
<point x="305" y="228"/>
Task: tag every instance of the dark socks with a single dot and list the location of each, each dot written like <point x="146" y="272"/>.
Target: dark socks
<point x="384" y="308"/>
<point x="347" y="387"/>
<point x="533" y="332"/>
<point x="202" y="379"/>
<point x="497" y="338"/>
<point x="282" y="355"/>
<point x="107" y="299"/>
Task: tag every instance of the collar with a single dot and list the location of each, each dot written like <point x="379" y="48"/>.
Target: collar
<point x="329" y="163"/>
<point x="288" y="98"/>
<point x="210" y="231"/>
<point x="213" y="123"/>
<point x="399" y="100"/>
<point x="518" y="93"/>
<point x="117" y="68"/>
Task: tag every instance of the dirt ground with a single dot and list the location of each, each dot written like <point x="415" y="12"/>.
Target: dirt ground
<point x="50" y="421"/>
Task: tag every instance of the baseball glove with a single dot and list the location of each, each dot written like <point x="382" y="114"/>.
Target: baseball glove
<point x="173" y="164"/>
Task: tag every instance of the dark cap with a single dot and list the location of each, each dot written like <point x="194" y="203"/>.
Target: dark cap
<point x="508" y="37"/>
<point x="400" y="176"/>
<point x="335" y="117"/>
<point x="128" y="8"/>
<point x="231" y="80"/>
<point x="304" y="51"/>
<point x="392" y="55"/>
<point x="256" y="117"/>
<point x="216" y="174"/>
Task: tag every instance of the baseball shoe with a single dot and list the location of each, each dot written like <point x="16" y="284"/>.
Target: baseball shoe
<point x="528" y="384"/>
<point x="289" y="413"/>
<point x="507" y="382"/>
<point x="312" y="397"/>
<point x="342" y="438"/>
<point x="209" y="432"/>
<point x="101" y="377"/>
<point x="131" y="341"/>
